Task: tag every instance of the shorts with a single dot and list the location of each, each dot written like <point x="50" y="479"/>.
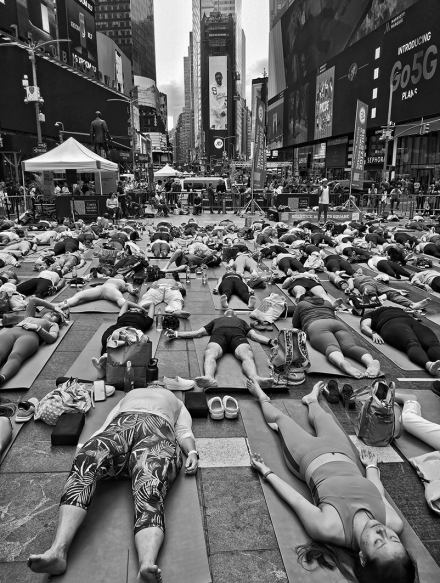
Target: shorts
<point x="228" y="340"/>
<point x="304" y="282"/>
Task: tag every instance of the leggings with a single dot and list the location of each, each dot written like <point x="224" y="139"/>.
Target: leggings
<point x="292" y="263"/>
<point x="431" y="249"/>
<point x="141" y="446"/>
<point x="418" y="341"/>
<point x="234" y="285"/>
<point x="299" y="447"/>
<point x="328" y="335"/>
<point x="415" y="424"/>
<point x="37" y="286"/>
<point x="392" y="269"/>
<point x="16" y="346"/>
<point x="335" y="263"/>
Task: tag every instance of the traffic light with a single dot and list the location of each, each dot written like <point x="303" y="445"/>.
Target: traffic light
<point x="424" y="128"/>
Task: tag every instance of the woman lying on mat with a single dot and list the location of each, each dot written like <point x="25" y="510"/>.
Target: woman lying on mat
<point x="20" y="342"/>
<point x="231" y="283"/>
<point x="350" y="510"/>
<point x="131" y="316"/>
<point x="142" y="438"/>
<point x="402" y="331"/>
<point x="112" y="290"/>
<point x="299" y="284"/>
<point x="332" y="337"/>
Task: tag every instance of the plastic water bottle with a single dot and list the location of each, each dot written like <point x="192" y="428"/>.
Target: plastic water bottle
<point x="128" y="377"/>
<point x="204" y="274"/>
<point x="187" y="276"/>
<point x="159" y="320"/>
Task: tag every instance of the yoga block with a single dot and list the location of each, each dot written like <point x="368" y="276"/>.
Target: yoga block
<point x="68" y="429"/>
<point x="196" y="404"/>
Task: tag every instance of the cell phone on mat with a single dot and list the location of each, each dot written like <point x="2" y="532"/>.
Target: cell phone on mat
<point x="99" y="391"/>
<point x="381" y="391"/>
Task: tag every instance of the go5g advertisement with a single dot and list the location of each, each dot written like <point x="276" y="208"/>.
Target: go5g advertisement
<point x="218" y="93"/>
<point x="409" y="62"/>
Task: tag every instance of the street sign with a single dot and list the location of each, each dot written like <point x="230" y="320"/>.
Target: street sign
<point x="40" y="149"/>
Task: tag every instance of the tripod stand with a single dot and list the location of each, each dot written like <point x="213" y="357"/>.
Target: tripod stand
<point x="252" y="206"/>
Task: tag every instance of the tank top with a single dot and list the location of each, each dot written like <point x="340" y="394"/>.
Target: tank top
<point x="337" y="484"/>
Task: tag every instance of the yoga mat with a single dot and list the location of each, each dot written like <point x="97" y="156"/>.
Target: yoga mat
<point x="235" y="302"/>
<point x="288" y="528"/>
<point x="83" y="368"/>
<point x="32" y="367"/>
<point x="229" y="374"/>
<point x="396" y="356"/>
<point x="16" y="427"/>
<point x="103" y="549"/>
<point x="409" y="445"/>
<point x="318" y="362"/>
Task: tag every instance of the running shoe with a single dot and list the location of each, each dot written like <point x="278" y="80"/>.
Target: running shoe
<point x="331" y="392"/>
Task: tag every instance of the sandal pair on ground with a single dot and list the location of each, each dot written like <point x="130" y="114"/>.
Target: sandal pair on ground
<point x="221" y="408"/>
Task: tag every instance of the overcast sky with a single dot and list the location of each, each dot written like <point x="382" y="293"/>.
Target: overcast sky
<point x="173" y="22"/>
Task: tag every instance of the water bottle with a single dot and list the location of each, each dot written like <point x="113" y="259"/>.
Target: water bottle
<point x="128" y="377"/>
<point x="204" y="274"/>
<point x="74" y="272"/>
<point x="187" y="276"/>
<point x="152" y="371"/>
<point x="159" y="320"/>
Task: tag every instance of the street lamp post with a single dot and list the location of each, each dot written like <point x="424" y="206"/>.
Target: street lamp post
<point x="32" y="48"/>
<point x="131" y="102"/>
<point x="387" y="131"/>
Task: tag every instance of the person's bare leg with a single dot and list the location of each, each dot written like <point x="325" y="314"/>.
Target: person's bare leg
<point x="54" y="560"/>
<point x="270" y="413"/>
<point x="212" y="353"/>
<point x="148" y="542"/>
<point x="372" y="365"/>
<point x="245" y="355"/>
<point x="320" y="292"/>
<point x="338" y="359"/>
<point x="82" y="297"/>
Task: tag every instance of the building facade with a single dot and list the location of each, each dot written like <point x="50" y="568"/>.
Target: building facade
<point x="383" y="54"/>
<point x="114" y="67"/>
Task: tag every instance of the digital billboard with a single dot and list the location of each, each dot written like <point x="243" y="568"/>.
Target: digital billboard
<point x="77" y="22"/>
<point x="298" y="111"/>
<point x="275" y="124"/>
<point x="325" y="87"/>
<point x="218" y="93"/>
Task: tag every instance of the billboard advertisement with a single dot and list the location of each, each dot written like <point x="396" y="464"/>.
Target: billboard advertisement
<point x="218" y="93"/>
<point x="325" y="87"/>
<point x="259" y="160"/>
<point x="298" y="111"/>
<point x="359" y="140"/>
<point x="77" y="22"/>
<point x="409" y="61"/>
<point x="275" y="124"/>
<point x="33" y="19"/>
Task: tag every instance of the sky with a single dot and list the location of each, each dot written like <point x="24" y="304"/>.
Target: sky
<point x="173" y="22"/>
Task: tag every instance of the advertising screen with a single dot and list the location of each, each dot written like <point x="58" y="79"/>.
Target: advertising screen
<point x="409" y="61"/>
<point x="298" y="114"/>
<point x="218" y="93"/>
<point x="325" y="87"/>
<point x="82" y="33"/>
<point x="275" y="124"/>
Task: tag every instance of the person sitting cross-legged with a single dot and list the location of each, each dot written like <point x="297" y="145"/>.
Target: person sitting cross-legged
<point x="229" y="333"/>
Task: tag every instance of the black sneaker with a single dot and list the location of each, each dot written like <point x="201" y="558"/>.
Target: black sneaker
<point x="347" y="397"/>
<point x="331" y="392"/>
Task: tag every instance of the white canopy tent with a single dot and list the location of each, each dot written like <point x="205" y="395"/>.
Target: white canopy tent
<point x="166" y="172"/>
<point x="70" y="155"/>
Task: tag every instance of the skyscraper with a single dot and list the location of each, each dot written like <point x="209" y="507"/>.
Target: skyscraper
<point x="130" y="24"/>
<point x="203" y="8"/>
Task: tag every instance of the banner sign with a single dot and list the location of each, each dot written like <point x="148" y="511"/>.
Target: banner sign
<point x="259" y="160"/>
<point x="324" y="104"/>
<point x="360" y="132"/>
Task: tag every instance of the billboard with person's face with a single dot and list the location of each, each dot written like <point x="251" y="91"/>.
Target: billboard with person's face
<point x="218" y="93"/>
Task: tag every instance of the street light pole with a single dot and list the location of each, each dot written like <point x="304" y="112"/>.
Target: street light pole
<point x="388" y="130"/>
<point x="37" y="102"/>
<point x="130" y="101"/>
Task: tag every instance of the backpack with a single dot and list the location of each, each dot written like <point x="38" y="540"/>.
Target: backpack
<point x="289" y="354"/>
<point x="378" y="422"/>
<point x="423" y="262"/>
<point x="154" y="273"/>
<point x="171" y="322"/>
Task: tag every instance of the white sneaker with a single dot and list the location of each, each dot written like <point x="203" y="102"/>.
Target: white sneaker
<point x="178" y="384"/>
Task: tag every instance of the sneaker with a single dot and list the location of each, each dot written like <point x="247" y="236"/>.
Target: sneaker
<point x="252" y="302"/>
<point x="347" y="397"/>
<point x="433" y="368"/>
<point x="26" y="410"/>
<point x="178" y="384"/>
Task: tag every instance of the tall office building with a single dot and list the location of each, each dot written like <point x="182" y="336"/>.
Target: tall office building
<point x="130" y="24"/>
<point x="202" y="8"/>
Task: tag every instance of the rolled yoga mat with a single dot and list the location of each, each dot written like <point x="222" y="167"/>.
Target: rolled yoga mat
<point x="32" y="367"/>
<point x="83" y="368"/>
<point x="103" y="549"/>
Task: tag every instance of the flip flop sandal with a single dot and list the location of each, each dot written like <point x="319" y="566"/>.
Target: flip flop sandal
<point x="331" y="392"/>
<point x="231" y="407"/>
<point x="26" y="410"/>
<point x="216" y="408"/>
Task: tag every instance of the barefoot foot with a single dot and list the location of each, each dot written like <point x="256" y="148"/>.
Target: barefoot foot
<point x="313" y="396"/>
<point x="150" y="574"/>
<point x="100" y="364"/>
<point x="206" y="382"/>
<point x="420" y="305"/>
<point x="52" y="562"/>
<point x="373" y="370"/>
